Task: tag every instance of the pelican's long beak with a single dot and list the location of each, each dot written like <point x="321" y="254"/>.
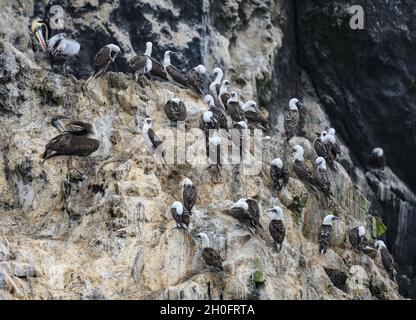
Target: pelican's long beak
<point x="41" y="39"/>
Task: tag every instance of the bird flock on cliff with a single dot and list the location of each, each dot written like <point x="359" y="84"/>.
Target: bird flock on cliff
<point x="225" y="111"/>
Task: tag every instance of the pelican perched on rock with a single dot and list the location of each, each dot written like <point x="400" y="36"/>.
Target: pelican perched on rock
<point x="325" y="234"/>
<point x="214" y="87"/>
<point x="291" y="120"/>
<point x="386" y="258"/>
<point x="141" y="64"/>
<point x="153" y="143"/>
<point x="377" y="159"/>
<point x="104" y="58"/>
<point x="78" y="138"/>
<point x="235" y="108"/>
<point x="180" y="215"/>
<point x="276" y="227"/>
<point x="195" y="79"/>
<point x="224" y="94"/>
<point x="175" y="110"/>
<point x="279" y="174"/>
<point x="172" y="73"/>
<point x="189" y="194"/>
<point x="42" y="31"/>
<point x="253" y="117"/>
<point x="358" y="239"/>
<point x="211" y="257"/>
<point x="322" y="179"/>
<point x="218" y="114"/>
<point x="303" y="172"/>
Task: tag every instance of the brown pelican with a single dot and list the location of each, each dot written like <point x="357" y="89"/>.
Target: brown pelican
<point x="299" y="167"/>
<point x="211" y="257"/>
<point x="323" y="147"/>
<point x="276" y="227"/>
<point x="180" y="215"/>
<point x="189" y="194"/>
<point x="224" y="94"/>
<point x="325" y="234"/>
<point x="103" y="58"/>
<point x="252" y="114"/>
<point x="153" y="143"/>
<point x="386" y="259"/>
<point x="377" y="159"/>
<point x="323" y="182"/>
<point x="195" y="79"/>
<point x="141" y="64"/>
<point x="175" y="110"/>
<point x="218" y="114"/>
<point x="78" y="138"/>
<point x="234" y="108"/>
<point x="291" y="121"/>
<point x="279" y="174"/>
<point x="358" y="239"/>
<point x="214" y="87"/>
<point x="172" y="73"/>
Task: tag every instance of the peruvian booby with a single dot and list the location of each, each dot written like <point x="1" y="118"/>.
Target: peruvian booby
<point x="322" y="146"/>
<point x="238" y="136"/>
<point x="234" y="108"/>
<point x="214" y="154"/>
<point x="358" y="239"/>
<point x="386" y="258"/>
<point x="252" y="114"/>
<point x="291" y="120"/>
<point x="175" y="110"/>
<point x="211" y="257"/>
<point x="103" y="58"/>
<point x="189" y="194"/>
<point x="279" y="174"/>
<point x="208" y="123"/>
<point x="172" y="73"/>
<point x="224" y="94"/>
<point x="276" y="227"/>
<point x="335" y="147"/>
<point x="377" y="159"/>
<point x="218" y="114"/>
<point x="78" y="138"/>
<point x="247" y="212"/>
<point x="214" y="87"/>
<point x="303" y="172"/>
<point x="153" y="143"/>
<point x="141" y="64"/>
<point x="325" y="234"/>
<point x="322" y="179"/>
<point x="42" y="31"/>
<point x="181" y="215"/>
<point x="254" y="212"/>
<point x="195" y="79"/>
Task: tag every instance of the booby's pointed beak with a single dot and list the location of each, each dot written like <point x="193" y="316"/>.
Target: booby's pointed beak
<point x="336" y="218"/>
<point x="300" y="104"/>
<point x="270" y="210"/>
<point x="318" y="134"/>
<point x="41" y="39"/>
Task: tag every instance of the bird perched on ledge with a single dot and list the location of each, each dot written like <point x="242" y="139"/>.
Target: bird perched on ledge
<point x="291" y="120"/>
<point x="211" y="257"/>
<point x="195" y="79"/>
<point x="276" y="227"/>
<point x="325" y="234"/>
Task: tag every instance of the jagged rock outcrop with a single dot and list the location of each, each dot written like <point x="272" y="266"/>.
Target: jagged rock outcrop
<point x="110" y="235"/>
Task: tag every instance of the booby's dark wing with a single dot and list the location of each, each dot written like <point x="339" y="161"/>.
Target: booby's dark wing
<point x="70" y="145"/>
<point x="303" y="172"/>
<point x="154" y="139"/>
<point x="235" y="111"/>
<point x="189" y="195"/>
<point x="354" y="238"/>
<point x="195" y="81"/>
<point x="291" y="123"/>
<point x="212" y="258"/>
<point x="280" y="177"/>
<point x="206" y="126"/>
<point x="185" y="217"/>
<point x="220" y="117"/>
<point x="335" y="149"/>
<point x="175" y="111"/>
<point x="277" y="231"/>
<point x="176" y="75"/>
<point x="224" y="98"/>
<point x="254" y="213"/>
<point x="138" y="64"/>
<point x="101" y="61"/>
<point x="254" y="118"/>
<point x="323" y="182"/>
<point x="158" y="71"/>
<point x="387" y="261"/>
<point x="325" y="238"/>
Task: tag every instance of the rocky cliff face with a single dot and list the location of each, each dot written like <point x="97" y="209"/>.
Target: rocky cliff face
<point x="110" y="234"/>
